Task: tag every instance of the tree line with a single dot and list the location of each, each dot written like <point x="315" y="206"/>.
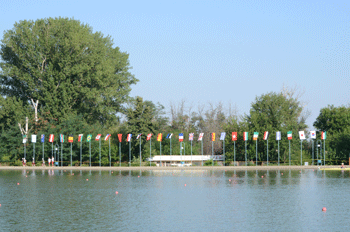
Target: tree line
<point x="59" y="77"/>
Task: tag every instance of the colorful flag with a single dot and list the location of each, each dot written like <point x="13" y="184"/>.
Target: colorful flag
<point x="61" y="138"/>
<point x="149" y="137"/>
<point x="128" y="138"/>
<point x="222" y="136"/>
<point x="88" y="138"/>
<point x="107" y="137"/>
<point x="302" y="135"/>
<point x="97" y="138"/>
<point x="70" y="139"/>
<point x="190" y="137"/>
<point x="24" y="138"/>
<point x="120" y="137"/>
<point x="80" y="137"/>
<point x="313" y="134"/>
<point x="200" y="136"/>
<point x="212" y="136"/>
<point x="234" y="136"/>
<point x="33" y="138"/>
<point x="289" y="135"/>
<point x="266" y="135"/>
<point x="138" y="136"/>
<point x="181" y="137"/>
<point x="159" y="137"/>
<point x="51" y="138"/>
<point x="278" y="135"/>
<point x="256" y="135"/>
<point x="42" y="138"/>
<point x="169" y="136"/>
<point x="245" y="136"/>
<point x="323" y="135"/>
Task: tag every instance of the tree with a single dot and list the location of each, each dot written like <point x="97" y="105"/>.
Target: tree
<point x="67" y="67"/>
<point x="274" y="112"/>
<point x="336" y="122"/>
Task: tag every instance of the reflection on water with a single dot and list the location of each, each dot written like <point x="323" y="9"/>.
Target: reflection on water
<point x="174" y="200"/>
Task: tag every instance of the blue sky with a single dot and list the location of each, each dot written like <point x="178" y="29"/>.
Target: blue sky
<point x="212" y="51"/>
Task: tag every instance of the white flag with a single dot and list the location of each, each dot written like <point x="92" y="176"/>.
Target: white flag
<point x="313" y="134"/>
<point x="301" y="135"/>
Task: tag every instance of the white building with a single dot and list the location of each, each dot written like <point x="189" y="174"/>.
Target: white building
<point x="183" y="160"/>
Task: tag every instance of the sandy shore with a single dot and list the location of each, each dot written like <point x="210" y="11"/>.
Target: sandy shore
<point x="169" y="168"/>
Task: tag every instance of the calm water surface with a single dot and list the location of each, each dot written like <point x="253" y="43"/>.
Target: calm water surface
<point x="174" y="200"/>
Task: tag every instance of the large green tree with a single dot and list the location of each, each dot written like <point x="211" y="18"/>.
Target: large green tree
<point x="67" y="67"/>
<point x="336" y="122"/>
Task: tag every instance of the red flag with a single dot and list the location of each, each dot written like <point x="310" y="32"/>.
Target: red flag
<point x="98" y="137"/>
<point x="52" y="137"/>
<point x="80" y="137"/>
<point x="234" y="136"/>
<point x="149" y="136"/>
<point x="120" y="137"/>
<point x="70" y="139"/>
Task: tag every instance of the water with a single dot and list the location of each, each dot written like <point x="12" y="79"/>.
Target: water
<point x="160" y="201"/>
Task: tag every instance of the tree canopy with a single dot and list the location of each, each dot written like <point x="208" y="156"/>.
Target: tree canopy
<point x="67" y="67"/>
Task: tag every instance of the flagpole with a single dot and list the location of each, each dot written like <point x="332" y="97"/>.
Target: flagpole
<point x="43" y="150"/>
<point x="61" y="154"/>
<point x="150" y="151"/>
<point x="81" y="147"/>
<point x="71" y="145"/>
<point x="202" y="150"/>
<point x="181" y="151"/>
<point x="90" y="150"/>
<point x="324" y="152"/>
<point x="52" y="149"/>
<point x="256" y="152"/>
<point x="160" y="152"/>
<point x="278" y="142"/>
<point x="34" y="151"/>
<point x="170" y="149"/>
<point x="191" y="152"/>
<point x="140" y="151"/>
<point x="109" y="145"/>
<point x="267" y="151"/>
<point x="245" y="152"/>
<point x="289" y="152"/>
<point x="224" y="150"/>
<point x="301" y="152"/>
<point x="234" y="153"/>
<point x="313" y="152"/>
<point x="129" y="152"/>
<point x="120" y="161"/>
<point x="212" y="151"/>
<point x="99" y="141"/>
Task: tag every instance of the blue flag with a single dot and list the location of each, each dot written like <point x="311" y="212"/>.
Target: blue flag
<point x="169" y="136"/>
<point x="42" y="138"/>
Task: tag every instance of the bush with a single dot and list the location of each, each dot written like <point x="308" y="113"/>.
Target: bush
<point x="210" y="163"/>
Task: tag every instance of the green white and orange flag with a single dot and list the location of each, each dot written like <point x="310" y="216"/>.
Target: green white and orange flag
<point x="289" y="135"/>
<point x="245" y="136"/>
<point x="255" y="136"/>
<point x="323" y="135"/>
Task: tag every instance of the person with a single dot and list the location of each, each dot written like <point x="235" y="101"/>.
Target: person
<point x="33" y="162"/>
<point x="52" y="161"/>
<point x="49" y="160"/>
<point x="24" y="162"/>
<point x="43" y="164"/>
<point x="342" y="165"/>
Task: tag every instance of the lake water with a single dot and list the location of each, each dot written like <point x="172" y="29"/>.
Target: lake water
<point x="174" y="200"/>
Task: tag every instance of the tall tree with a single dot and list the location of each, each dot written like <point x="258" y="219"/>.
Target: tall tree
<point x="67" y="67"/>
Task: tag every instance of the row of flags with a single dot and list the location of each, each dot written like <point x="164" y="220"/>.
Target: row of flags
<point x="181" y="136"/>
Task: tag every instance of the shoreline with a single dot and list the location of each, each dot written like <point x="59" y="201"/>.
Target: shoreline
<point x="144" y="168"/>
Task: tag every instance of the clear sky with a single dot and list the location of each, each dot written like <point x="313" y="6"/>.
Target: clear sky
<point x="212" y="51"/>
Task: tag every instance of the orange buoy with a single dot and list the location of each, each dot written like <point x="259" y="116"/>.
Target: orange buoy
<point x="324" y="209"/>
<point x="17" y="183"/>
<point x="138" y="176"/>
<point x="116" y="192"/>
<point x="185" y="185"/>
<point x="229" y="180"/>
<point x="87" y="179"/>
<point x="282" y="173"/>
<point x="262" y="176"/>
